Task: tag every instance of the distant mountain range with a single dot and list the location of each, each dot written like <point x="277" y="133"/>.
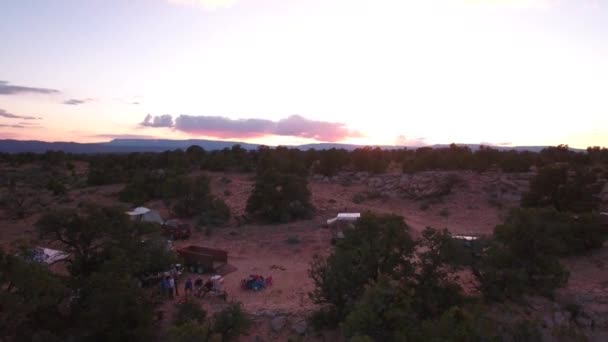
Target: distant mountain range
<point x="160" y="145"/>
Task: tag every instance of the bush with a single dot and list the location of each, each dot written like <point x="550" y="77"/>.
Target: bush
<point x="293" y="240"/>
<point x="379" y="244"/>
<point x="280" y="197"/>
<point x="188" y="312"/>
<point x="564" y="188"/>
<point x="550" y="232"/>
<point x="383" y="313"/>
<point x="190" y="332"/>
<point x="444" y="212"/>
<point x="56" y="187"/>
<point x="216" y="213"/>
<point x="359" y="198"/>
<point x="502" y="273"/>
<point x="324" y="318"/>
<point x="424" y="205"/>
<point x="524" y="256"/>
<point x="231" y="322"/>
<point x="493" y="201"/>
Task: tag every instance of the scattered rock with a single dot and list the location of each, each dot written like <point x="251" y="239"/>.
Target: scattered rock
<point x="548" y="321"/>
<point x="300" y="327"/>
<point x="277" y="323"/>
<point x="583" y="321"/>
<point x="600" y="319"/>
<point x="561" y="317"/>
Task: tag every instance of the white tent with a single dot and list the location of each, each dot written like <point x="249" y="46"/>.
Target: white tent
<point x="145" y="215"/>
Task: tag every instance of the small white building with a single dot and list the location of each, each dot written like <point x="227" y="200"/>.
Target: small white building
<point x="142" y="214"/>
<point x="344" y="217"/>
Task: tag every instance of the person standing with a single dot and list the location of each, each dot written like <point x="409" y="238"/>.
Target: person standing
<point x="164" y="287"/>
<point x="188" y="287"/>
<point x="198" y="285"/>
<point x="171" y="286"/>
<point x="175" y="275"/>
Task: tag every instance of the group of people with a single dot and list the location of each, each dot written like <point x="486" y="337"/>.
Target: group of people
<point x="198" y="288"/>
<point x="169" y="286"/>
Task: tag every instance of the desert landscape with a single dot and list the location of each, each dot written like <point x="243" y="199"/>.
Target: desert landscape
<point x="463" y="202"/>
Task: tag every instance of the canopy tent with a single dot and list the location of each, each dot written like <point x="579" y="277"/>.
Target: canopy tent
<point x="350" y="217"/>
<point x="49" y="256"/>
<point x="138" y="211"/>
<point x="145" y="215"/>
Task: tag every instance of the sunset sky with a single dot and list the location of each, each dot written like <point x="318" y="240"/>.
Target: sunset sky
<point x="407" y="72"/>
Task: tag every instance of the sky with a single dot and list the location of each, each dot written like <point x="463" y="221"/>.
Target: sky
<point x="404" y="72"/>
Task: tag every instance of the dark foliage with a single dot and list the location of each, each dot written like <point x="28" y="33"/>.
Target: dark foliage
<point x="547" y="231"/>
<point x="101" y="299"/>
<point x="279" y="197"/>
<point x="31" y="298"/>
<point x="523" y="258"/>
<point x="565" y="188"/>
<point x="188" y="312"/>
<point x="378" y="245"/>
<point x="191" y="324"/>
<point x="231" y="322"/>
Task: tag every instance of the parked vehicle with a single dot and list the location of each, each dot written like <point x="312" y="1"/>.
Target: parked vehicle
<point x="176" y="229"/>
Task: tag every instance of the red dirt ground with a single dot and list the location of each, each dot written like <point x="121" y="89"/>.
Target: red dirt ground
<point x="263" y="249"/>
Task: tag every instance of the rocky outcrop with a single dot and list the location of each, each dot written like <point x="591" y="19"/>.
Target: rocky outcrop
<point x="413" y="186"/>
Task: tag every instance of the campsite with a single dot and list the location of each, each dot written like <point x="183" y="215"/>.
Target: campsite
<point x="265" y="266"/>
<point x="303" y="171"/>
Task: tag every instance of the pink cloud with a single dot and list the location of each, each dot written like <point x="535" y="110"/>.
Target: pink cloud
<point x="224" y="128"/>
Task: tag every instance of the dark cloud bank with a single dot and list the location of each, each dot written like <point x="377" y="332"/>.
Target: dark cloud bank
<point x="75" y="102"/>
<point x="225" y="128"/>
<point x="9" y="89"/>
<point x="8" y="115"/>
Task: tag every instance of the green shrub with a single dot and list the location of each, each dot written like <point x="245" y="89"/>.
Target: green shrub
<point x="324" y="318"/>
<point x="564" y="188"/>
<point x="550" y="232"/>
<point x="293" y="240"/>
<point x="56" y="187"/>
<point x="359" y="198"/>
<point x="493" y="201"/>
<point x="280" y="197"/>
<point x="190" y="332"/>
<point x="384" y="313"/>
<point x="208" y="231"/>
<point x="188" y="312"/>
<point x="216" y="213"/>
<point x="379" y="244"/>
<point x="231" y="322"/>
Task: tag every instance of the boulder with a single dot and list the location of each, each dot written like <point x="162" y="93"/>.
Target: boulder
<point x="277" y="323"/>
<point x="300" y="327"/>
<point x="603" y="195"/>
<point x="561" y="317"/>
<point x="583" y="321"/>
